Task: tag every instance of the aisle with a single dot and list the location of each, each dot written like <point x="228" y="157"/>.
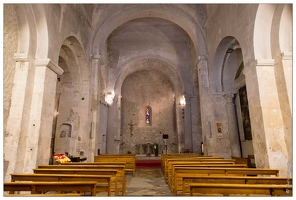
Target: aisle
<point x="147" y="182"/>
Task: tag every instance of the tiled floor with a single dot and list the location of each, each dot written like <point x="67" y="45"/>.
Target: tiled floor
<point x="147" y="182"/>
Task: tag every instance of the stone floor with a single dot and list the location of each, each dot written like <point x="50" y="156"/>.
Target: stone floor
<point x="147" y="182"/>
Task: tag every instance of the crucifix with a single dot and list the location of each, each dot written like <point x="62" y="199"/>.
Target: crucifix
<point x="131" y="124"/>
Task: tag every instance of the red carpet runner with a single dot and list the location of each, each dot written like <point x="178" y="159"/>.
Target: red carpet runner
<point x="148" y="163"/>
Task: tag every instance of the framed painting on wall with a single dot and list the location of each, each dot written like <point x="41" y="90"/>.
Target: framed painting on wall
<point x="219" y="129"/>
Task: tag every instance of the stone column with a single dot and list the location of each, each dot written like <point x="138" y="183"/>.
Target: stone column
<point x="95" y="82"/>
<point x="187" y="123"/>
<point x="206" y="107"/>
<point x="232" y="126"/>
<point x="270" y="148"/>
<point x="288" y="75"/>
<point x="42" y="112"/>
<point x="16" y="130"/>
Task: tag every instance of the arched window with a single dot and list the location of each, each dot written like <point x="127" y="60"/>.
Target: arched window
<point x="148" y="115"/>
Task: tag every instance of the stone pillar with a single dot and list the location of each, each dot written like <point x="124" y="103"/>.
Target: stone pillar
<point x="95" y="82"/>
<point x="288" y="75"/>
<point x="42" y="113"/>
<point x="187" y="123"/>
<point x="206" y="107"/>
<point x="270" y="148"/>
<point x="16" y="129"/>
<point x="232" y="126"/>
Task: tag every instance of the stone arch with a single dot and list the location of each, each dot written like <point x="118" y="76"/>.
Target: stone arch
<point x="262" y="39"/>
<point x="167" y="69"/>
<point x="42" y="42"/>
<point x="285" y="29"/>
<point x="224" y="70"/>
<point x="178" y="86"/>
<point x="169" y="13"/>
<point x="73" y="99"/>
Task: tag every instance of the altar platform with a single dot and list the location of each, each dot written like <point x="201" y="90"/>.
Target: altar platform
<point x="143" y="161"/>
<point x="151" y="157"/>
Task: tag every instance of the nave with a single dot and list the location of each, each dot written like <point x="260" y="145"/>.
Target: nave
<point x="176" y="175"/>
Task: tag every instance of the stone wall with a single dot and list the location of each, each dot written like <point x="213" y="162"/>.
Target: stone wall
<point x="142" y="89"/>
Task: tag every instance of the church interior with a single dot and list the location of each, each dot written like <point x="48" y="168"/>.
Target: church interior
<point x="148" y="81"/>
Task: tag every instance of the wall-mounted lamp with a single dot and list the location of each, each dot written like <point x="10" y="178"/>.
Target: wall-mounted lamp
<point x="110" y="97"/>
<point x="182" y="101"/>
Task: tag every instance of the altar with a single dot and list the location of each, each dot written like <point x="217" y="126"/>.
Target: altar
<point x="146" y="148"/>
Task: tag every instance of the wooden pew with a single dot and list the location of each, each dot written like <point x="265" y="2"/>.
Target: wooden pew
<point x="103" y="181"/>
<point x="201" y="165"/>
<point x="42" y="187"/>
<point x="193" y="178"/>
<point x="217" y="171"/>
<point x="240" y="189"/>
<point x="173" y="162"/>
<point x="121" y="182"/>
<point x="171" y="179"/>
<point x="165" y="160"/>
<point x="44" y="195"/>
<point x="129" y="159"/>
<point x="175" y="155"/>
<point x="112" y="172"/>
<point x="198" y="158"/>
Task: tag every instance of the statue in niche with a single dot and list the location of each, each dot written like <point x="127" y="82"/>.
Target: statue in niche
<point x="65" y="130"/>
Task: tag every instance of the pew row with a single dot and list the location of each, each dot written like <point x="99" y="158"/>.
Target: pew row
<point x="129" y="159"/>
<point x="112" y="172"/>
<point x="239" y="189"/>
<point x="179" y="158"/>
<point x="44" y="195"/>
<point x="179" y="172"/>
<point x="103" y="186"/>
<point x="184" y="190"/>
<point x="42" y="187"/>
<point x="121" y="182"/>
<point x="198" y="165"/>
<point x="172" y="164"/>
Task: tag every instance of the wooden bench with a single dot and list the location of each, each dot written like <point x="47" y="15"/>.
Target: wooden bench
<point x="121" y="182"/>
<point x="239" y="189"/>
<point x="201" y="165"/>
<point x="42" y="187"/>
<point x="103" y="185"/>
<point x="179" y="172"/>
<point x="173" y="162"/>
<point x="193" y="178"/>
<point x="171" y="177"/>
<point x="175" y="155"/>
<point x="129" y="159"/>
<point x="165" y="160"/>
<point x="198" y="158"/>
<point x="44" y="195"/>
<point x="249" y="161"/>
<point x="112" y="172"/>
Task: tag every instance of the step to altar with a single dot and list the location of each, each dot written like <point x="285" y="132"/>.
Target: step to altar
<point x="145" y="157"/>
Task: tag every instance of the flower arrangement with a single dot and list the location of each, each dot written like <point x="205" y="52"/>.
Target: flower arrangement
<point x="61" y="158"/>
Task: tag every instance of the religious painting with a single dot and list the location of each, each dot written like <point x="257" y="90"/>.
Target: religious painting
<point x="65" y="130"/>
<point x="245" y="113"/>
<point x="219" y="129"/>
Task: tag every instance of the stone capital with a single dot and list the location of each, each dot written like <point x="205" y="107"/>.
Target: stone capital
<point x="228" y="98"/>
<point x="47" y="62"/>
<point x="287" y="55"/>
<point x="21" y="57"/>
